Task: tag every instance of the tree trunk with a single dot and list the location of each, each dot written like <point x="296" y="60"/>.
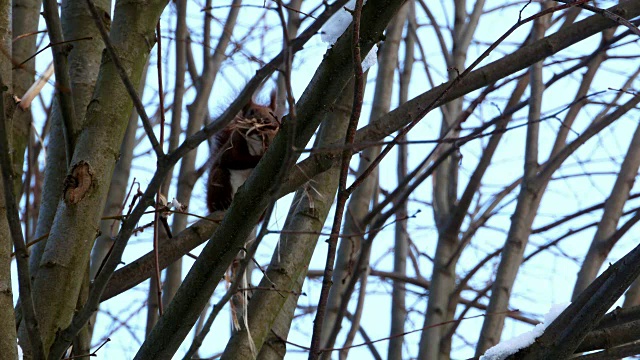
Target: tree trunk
<point x="61" y="268"/>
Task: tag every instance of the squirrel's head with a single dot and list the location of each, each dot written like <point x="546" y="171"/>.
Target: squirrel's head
<point x="260" y="119"/>
<point x="261" y="113"/>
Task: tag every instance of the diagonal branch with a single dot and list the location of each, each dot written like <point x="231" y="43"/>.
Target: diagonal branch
<point x="414" y="109"/>
<point x="331" y="77"/>
<point x="566" y="333"/>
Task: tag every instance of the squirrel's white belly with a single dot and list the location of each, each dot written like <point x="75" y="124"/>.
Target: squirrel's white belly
<point x="237" y="178"/>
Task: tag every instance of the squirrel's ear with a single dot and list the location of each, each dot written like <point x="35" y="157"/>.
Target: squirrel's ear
<point x="248" y="107"/>
<point x="272" y="100"/>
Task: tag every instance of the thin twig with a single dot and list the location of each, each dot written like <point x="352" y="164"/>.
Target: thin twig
<point x="605" y="13"/>
<point x="386" y="338"/>
<point x="159" y="193"/>
<point x="35" y="88"/>
<point x="343" y="194"/>
<point x="93" y="353"/>
<point x="33" y="33"/>
<point x="48" y="46"/>
<point x="34" y="241"/>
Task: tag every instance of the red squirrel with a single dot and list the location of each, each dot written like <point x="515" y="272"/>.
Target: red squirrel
<point x="239" y="148"/>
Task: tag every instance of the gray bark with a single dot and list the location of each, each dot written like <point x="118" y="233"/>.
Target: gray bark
<point x="84" y="62"/>
<point x="117" y="193"/>
<point x="7" y="319"/>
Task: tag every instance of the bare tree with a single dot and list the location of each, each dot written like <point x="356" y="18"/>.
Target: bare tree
<point x="511" y="126"/>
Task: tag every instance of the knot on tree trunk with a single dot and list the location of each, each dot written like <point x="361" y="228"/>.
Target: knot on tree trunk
<point x="77" y="184"/>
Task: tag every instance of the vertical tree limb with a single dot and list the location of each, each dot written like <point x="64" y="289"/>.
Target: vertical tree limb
<point x="63" y="92"/>
<point x="7" y="318"/>
<point x="401" y="241"/>
<point x="601" y="243"/>
<point x="526" y="208"/>
<point x="15" y="228"/>
<point x="173" y="274"/>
